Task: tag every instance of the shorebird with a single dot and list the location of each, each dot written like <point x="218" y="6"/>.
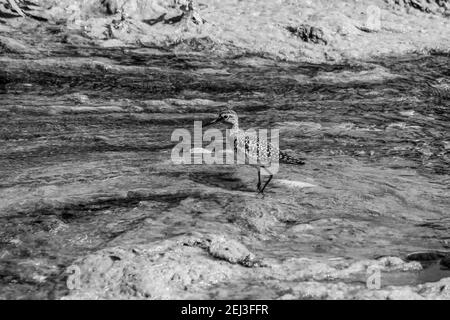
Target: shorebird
<point x="259" y="153"/>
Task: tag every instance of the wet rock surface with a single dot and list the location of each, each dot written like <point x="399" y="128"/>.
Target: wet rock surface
<point x="93" y="207"/>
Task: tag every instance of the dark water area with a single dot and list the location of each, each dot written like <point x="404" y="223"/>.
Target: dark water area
<point x="83" y="131"/>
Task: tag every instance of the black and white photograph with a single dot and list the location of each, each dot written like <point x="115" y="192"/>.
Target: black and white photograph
<point x="227" y="154"/>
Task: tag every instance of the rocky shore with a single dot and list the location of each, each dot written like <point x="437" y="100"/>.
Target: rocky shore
<point x="295" y="30"/>
<point x="91" y="206"/>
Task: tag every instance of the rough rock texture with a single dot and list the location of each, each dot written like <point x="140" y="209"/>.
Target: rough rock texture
<point x="179" y="268"/>
<point x="91" y="92"/>
<point x="315" y="290"/>
<point x="183" y="268"/>
<point x="111" y="6"/>
<point x="308" y="33"/>
<point x="433" y="6"/>
<point x="289" y="30"/>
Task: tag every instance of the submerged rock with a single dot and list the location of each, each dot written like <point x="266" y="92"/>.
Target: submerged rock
<point x="176" y="268"/>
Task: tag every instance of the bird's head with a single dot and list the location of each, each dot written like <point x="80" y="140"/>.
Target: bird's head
<point x="226" y="116"/>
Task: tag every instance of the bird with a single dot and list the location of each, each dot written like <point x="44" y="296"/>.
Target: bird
<point x="258" y="152"/>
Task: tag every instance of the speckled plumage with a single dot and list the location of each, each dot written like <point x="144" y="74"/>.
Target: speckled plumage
<point x="258" y="152"/>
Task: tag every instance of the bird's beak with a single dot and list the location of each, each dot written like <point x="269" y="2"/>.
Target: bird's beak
<point x="213" y="122"/>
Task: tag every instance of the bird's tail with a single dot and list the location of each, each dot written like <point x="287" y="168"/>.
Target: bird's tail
<point x="286" y="158"/>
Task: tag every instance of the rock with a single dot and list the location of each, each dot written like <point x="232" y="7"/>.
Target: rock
<point x="391" y="261"/>
<point x="435" y="290"/>
<point x="196" y="44"/>
<point x="426" y="6"/>
<point x="111" y="6"/>
<point x="396" y="263"/>
<point x="403" y="294"/>
<point x="167" y="269"/>
<point x="230" y="250"/>
<point x="7" y="11"/>
<point x="308" y="33"/>
<point x="16" y="8"/>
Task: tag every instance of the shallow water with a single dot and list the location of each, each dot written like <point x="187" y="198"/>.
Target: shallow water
<point x="85" y="158"/>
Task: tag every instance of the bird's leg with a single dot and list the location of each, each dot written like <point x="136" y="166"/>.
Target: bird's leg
<point x="258" y="186"/>
<point x="267" y="182"/>
<point x="261" y="190"/>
